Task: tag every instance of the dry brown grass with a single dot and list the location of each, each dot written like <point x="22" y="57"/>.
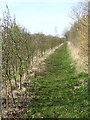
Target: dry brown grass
<point x="79" y="60"/>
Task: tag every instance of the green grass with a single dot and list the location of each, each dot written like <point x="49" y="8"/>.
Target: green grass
<point x="55" y="93"/>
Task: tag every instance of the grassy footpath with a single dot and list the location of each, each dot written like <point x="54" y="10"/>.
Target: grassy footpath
<point x="59" y="91"/>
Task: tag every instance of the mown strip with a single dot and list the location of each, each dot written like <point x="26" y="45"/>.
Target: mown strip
<point x="59" y="92"/>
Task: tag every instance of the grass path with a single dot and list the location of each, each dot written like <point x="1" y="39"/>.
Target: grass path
<point x="59" y="91"/>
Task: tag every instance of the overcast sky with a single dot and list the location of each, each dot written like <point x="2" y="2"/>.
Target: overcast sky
<point x="46" y="16"/>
